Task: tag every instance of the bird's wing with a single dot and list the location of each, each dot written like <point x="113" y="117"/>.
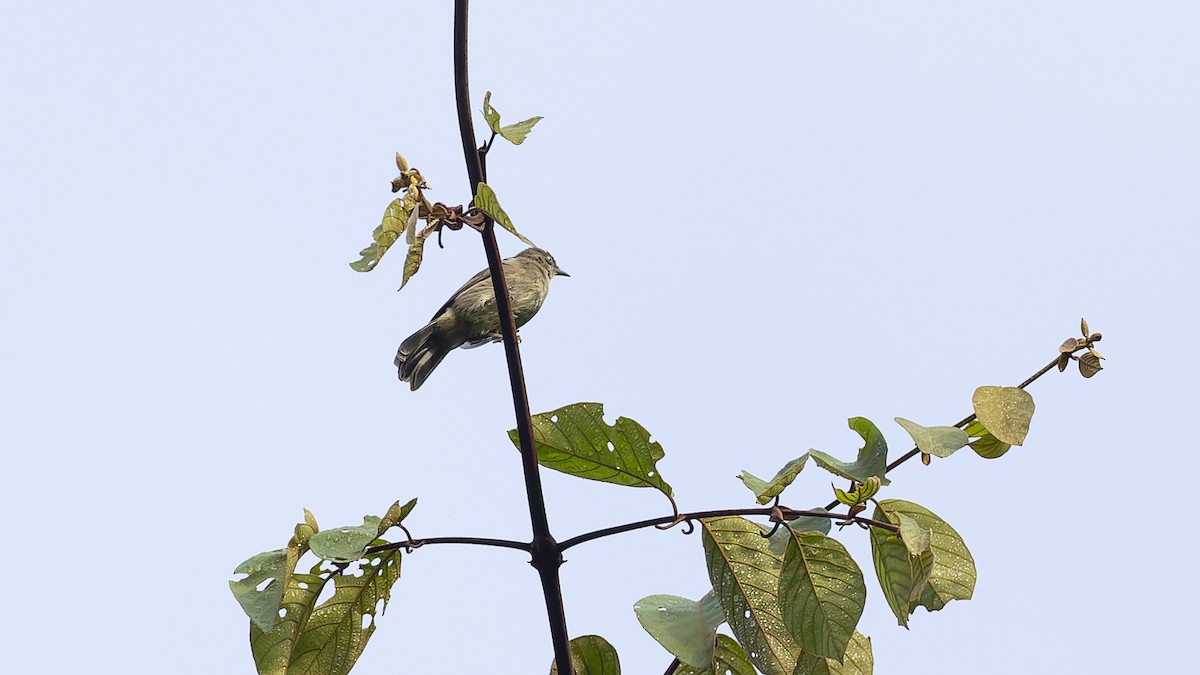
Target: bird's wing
<point x="481" y="276"/>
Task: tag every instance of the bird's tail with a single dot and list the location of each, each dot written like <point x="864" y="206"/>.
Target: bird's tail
<point x="420" y="354"/>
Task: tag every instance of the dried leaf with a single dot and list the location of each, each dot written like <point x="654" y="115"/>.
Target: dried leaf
<point x="1089" y="364"/>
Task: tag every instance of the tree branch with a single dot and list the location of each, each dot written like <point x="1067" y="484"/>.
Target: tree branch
<point x="544" y="550"/>
<point x="687" y="517"/>
<point x="478" y="541"/>
<point x="963" y="422"/>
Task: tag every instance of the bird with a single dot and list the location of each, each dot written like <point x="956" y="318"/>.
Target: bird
<point x="469" y="318"/>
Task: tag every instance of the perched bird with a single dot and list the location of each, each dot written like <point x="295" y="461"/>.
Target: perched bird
<point x="469" y="318"/>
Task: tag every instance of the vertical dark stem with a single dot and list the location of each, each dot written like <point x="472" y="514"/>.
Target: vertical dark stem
<point x="545" y="552"/>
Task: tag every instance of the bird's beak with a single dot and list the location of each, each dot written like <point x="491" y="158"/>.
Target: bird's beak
<point x="559" y="273"/>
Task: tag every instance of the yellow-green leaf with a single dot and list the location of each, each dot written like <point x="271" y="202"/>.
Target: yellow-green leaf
<point x="485" y="200"/>
<point x="858" y="660"/>
<point x="1005" y="412"/>
<point x="399" y="215"/>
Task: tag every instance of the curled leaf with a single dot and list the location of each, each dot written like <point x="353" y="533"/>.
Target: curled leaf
<point x="765" y="491"/>
<point x="872" y="457"/>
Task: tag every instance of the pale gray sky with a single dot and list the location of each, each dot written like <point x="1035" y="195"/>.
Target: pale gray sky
<point x="776" y="217"/>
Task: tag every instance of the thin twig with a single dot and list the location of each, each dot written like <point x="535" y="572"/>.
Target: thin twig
<point x="671" y="668"/>
<point x="763" y="511"/>
<point x="962" y="423"/>
<point x="479" y="541"/>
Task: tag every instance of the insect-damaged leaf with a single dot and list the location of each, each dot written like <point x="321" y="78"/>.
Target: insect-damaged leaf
<point x="575" y="440"/>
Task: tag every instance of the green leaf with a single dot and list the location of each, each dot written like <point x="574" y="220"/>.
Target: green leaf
<point x="821" y="593"/>
<point x="685" y="628"/>
<point x="327" y="639"/>
<point x="985" y="444"/>
<point x="485" y="200"/>
<point x="513" y="133"/>
<point x="894" y="569"/>
<point x="398" y="216"/>
<point x="953" y="574"/>
<point x="1005" y="412"/>
<point x="396" y="514"/>
<point x="516" y="133"/>
<point x="262" y="606"/>
<point x="872" y="457"/>
<point x="765" y="491"/>
<point x="858" y="660"/>
<point x="575" y="440"/>
<point x="347" y="544"/>
<point x="592" y="655"/>
<point x="745" y="576"/>
<point x="939" y="441"/>
<point x="728" y="659"/>
<point x="810" y="523"/>
<point x="916" y="539"/>
<point x="491" y="114"/>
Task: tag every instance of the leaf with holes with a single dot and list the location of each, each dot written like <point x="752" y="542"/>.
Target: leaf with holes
<point x="575" y="440"/>
<point x="858" y="660"/>
<point x="686" y="628"/>
<point x="513" y="133"/>
<point x="940" y="441"/>
<point x="1004" y="411"/>
<point x="985" y="444"/>
<point x="592" y="655"/>
<point x="765" y="491"/>
<point x="728" y="659"/>
<point x="745" y="576"/>
<point x="872" y="457"/>
<point x="821" y="593"/>
<point x="485" y="200"/>
<point x="268" y="574"/>
<point x="329" y="638"/>
<point x="261" y="592"/>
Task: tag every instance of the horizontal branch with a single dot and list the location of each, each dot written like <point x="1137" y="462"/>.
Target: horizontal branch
<point x="478" y="541"/>
<point x="688" y="517"/>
